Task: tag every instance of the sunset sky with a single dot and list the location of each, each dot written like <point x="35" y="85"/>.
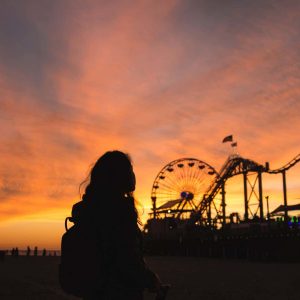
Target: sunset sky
<point x="160" y="80"/>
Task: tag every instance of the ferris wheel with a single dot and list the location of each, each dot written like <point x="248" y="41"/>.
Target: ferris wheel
<point x="180" y="186"/>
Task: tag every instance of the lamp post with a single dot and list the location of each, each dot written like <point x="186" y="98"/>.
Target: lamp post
<point x="268" y="212"/>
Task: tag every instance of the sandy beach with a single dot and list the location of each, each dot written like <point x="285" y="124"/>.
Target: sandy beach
<point x="191" y="278"/>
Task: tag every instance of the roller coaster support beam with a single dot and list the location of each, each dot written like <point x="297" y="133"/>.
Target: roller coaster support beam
<point x="284" y="196"/>
<point x="209" y="214"/>
<point x="223" y="205"/>
<point x="246" y="216"/>
<point x="154" y="207"/>
<point x="260" y="195"/>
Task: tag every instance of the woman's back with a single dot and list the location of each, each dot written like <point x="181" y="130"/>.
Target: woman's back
<point x="108" y="207"/>
<point x="119" y="244"/>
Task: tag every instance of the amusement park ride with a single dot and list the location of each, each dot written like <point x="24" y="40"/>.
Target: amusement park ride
<point x="190" y="193"/>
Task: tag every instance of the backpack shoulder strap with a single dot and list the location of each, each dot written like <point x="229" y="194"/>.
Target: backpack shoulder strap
<point x="70" y="219"/>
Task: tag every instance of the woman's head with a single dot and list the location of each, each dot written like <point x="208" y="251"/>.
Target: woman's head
<point x="112" y="177"/>
<point x="112" y="174"/>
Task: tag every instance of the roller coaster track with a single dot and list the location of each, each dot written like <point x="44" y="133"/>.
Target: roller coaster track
<point x="233" y="166"/>
<point x="290" y="164"/>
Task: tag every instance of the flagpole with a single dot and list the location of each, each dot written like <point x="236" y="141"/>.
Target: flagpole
<point x="234" y="148"/>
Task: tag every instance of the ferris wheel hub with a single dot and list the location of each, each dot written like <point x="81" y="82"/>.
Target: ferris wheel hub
<point x="187" y="195"/>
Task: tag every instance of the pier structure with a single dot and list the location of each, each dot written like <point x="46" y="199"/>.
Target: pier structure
<point x="184" y="192"/>
<point x="189" y="215"/>
<point x="189" y="193"/>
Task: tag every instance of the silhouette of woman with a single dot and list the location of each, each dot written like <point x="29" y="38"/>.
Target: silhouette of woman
<point x="110" y="206"/>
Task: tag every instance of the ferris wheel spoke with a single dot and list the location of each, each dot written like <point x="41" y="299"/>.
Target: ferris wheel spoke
<point x="195" y="177"/>
<point x="187" y="175"/>
<point x="203" y="185"/>
<point x="167" y="197"/>
<point x="172" y="181"/>
<point x="181" y="171"/>
<point x="199" y="175"/>
<point x="168" y="182"/>
<point x="167" y="186"/>
<point x="181" y="176"/>
<point x="200" y="190"/>
<point x="192" y="175"/>
<point x="170" y="196"/>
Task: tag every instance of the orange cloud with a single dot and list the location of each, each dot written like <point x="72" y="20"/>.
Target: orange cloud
<point x="157" y="81"/>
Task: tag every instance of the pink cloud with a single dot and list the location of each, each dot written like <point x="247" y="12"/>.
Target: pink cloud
<point x="158" y="81"/>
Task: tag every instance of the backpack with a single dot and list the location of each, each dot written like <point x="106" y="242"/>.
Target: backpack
<point x="80" y="265"/>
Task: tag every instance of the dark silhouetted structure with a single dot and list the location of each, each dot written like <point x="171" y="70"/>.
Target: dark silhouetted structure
<point x="2" y="255"/>
<point x="28" y="251"/>
<point x="190" y="214"/>
<point x="35" y="251"/>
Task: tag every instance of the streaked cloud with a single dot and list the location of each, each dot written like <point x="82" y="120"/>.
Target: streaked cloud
<point x="159" y="80"/>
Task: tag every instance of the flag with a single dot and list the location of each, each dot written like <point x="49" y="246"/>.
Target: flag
<point x="234" y="144"/>
<point x="228" y="138"/>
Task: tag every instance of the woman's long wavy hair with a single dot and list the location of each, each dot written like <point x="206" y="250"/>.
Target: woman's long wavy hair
<point x="111" y="177"/>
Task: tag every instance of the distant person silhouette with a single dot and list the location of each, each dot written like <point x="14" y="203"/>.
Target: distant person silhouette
<point x="2" y="255"/>
<point x="28" y="251"/>
<point x="35" y="251"/>
<point x="44" y="252"/>
<point x="109" y="205"/>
